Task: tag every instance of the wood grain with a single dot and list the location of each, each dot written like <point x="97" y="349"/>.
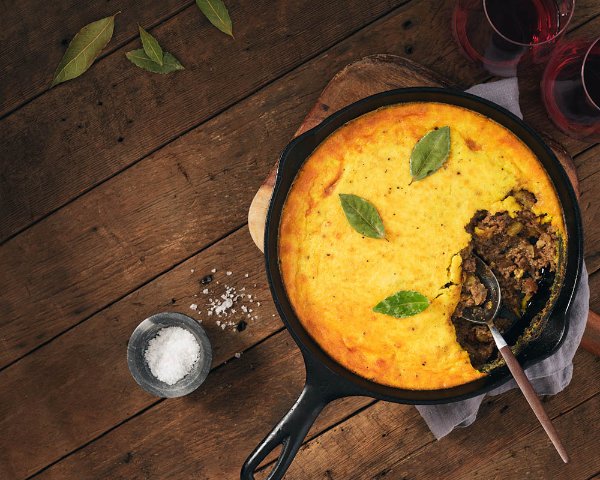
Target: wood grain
<point x="208" y="434"/>
<point x="44" y="381"/>
<point x="84" y="131"/>
<point x="530" y="455"/>
<point x="588" y="170"/>
<point x="36" y="34"/>
<point x="382" y="432"/>
<point x="223" y="427"/>
<point x="73" y="276"/>
<point x="81" y="262"/>
<point x="79" y="385"/>
<point x="591" y="337"/>
<point x="169" y="205"/>
<point x="48" y="142"/>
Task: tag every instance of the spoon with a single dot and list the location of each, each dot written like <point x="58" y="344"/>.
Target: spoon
<point x="485" y="315"/>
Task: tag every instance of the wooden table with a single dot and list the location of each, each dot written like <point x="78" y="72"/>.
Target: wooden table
<point x="121" y="189"/>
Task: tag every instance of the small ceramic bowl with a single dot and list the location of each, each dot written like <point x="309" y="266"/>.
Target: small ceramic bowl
<point x="140" y="370"/>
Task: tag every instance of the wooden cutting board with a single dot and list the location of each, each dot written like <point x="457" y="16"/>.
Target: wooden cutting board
<point x="370" y="75"/>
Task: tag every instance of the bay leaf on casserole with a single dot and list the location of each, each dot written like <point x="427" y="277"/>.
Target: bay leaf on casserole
<point x="430" y="153"/>
<point x="151" y="46"/>
<point x="84" y="49"/>
<point x="362" y="216"/>
<point x="216" y="13"/>
<point x="140" y="58"/>
<point x="404" y="303"/>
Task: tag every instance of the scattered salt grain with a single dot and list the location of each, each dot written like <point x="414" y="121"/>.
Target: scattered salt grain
<point x="237" y="355"/>
<point x="228" y="273"/>
<point x="194" y="306"/>
<point x="214" y="270"/>
<point x="246" y="275"/>
<point x="192" y="270"/>
<point x="171" y="354"/>
<point x="205" y="291"/>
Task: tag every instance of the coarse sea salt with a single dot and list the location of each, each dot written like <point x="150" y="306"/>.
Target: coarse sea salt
<point x="172" y="354"/>
<point x="225" y="306"/>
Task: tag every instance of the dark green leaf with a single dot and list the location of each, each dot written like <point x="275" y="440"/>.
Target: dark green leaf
<point x="170" y="63"/>
<point x="430" y="153"/>
<point x="84" y="49"/>
<point x="151" y="47"/>
<point x="217" y="14"/>
<point x="362" y="215"/>
<point x="404" y="303"/>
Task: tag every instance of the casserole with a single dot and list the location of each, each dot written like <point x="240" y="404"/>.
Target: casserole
<point x="326" y="379"/>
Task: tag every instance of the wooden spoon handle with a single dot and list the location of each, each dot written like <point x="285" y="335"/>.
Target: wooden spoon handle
<point x="533" y="400"/>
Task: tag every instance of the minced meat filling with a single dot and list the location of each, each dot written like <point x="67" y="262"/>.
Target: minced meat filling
<point x="521" y="250"/>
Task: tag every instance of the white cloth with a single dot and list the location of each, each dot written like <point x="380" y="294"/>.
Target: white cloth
<point x="549" y="376"/>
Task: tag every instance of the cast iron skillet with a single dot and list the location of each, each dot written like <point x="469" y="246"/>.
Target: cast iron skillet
<point x="326" y="380"/>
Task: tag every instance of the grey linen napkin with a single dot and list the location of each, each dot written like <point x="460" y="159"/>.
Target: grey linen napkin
<point x="549" y="376"/>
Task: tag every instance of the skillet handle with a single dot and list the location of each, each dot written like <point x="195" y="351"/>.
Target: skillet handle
<point x="289" y="433"/>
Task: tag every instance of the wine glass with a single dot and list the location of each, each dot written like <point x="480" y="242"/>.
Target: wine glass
<point x="571" y="88"/>
<point x="500" y="34"/>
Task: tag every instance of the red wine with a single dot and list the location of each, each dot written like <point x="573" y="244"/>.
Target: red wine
<point x="524" y="21"/>
<point x="591" y="75"/>
<point x="498" y="33"/>
<point x="573" y="109"/>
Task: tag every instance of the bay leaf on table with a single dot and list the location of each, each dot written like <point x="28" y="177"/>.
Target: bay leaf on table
<point x="151" y="46"/>
<point x="140" y="58"/>
<point x="404" y="303"/>
<point x="216" y="13"/>
<point x="84" y="49"/>
<point x="362" y="216"/>
<point x="430" y="153"/>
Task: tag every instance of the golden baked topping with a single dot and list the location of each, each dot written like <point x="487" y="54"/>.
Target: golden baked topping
<point x="334" y="276"/>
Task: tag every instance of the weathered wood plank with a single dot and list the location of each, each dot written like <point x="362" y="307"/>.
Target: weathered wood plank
<point x="595" y="291"/>
<point x="530" y="456"/>
<point x="382" y="432"/>
<point x="67" y="280"/>
<point x="42" y="175"/>
<point x="83" y="131"/>
<point x="208" y="434"/>
<point x="235" y="414"/>
<point x="588" y="170"/>
<point x="75" y="275"/>
<point x="36" y="34"/>
<point x="42" y="30"/>
<point x="79" y="385"/>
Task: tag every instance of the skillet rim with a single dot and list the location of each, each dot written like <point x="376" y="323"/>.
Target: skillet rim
<point x="347" y="382"/>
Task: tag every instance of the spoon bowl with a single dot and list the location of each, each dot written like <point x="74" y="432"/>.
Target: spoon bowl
<point x="485" y="314"/>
